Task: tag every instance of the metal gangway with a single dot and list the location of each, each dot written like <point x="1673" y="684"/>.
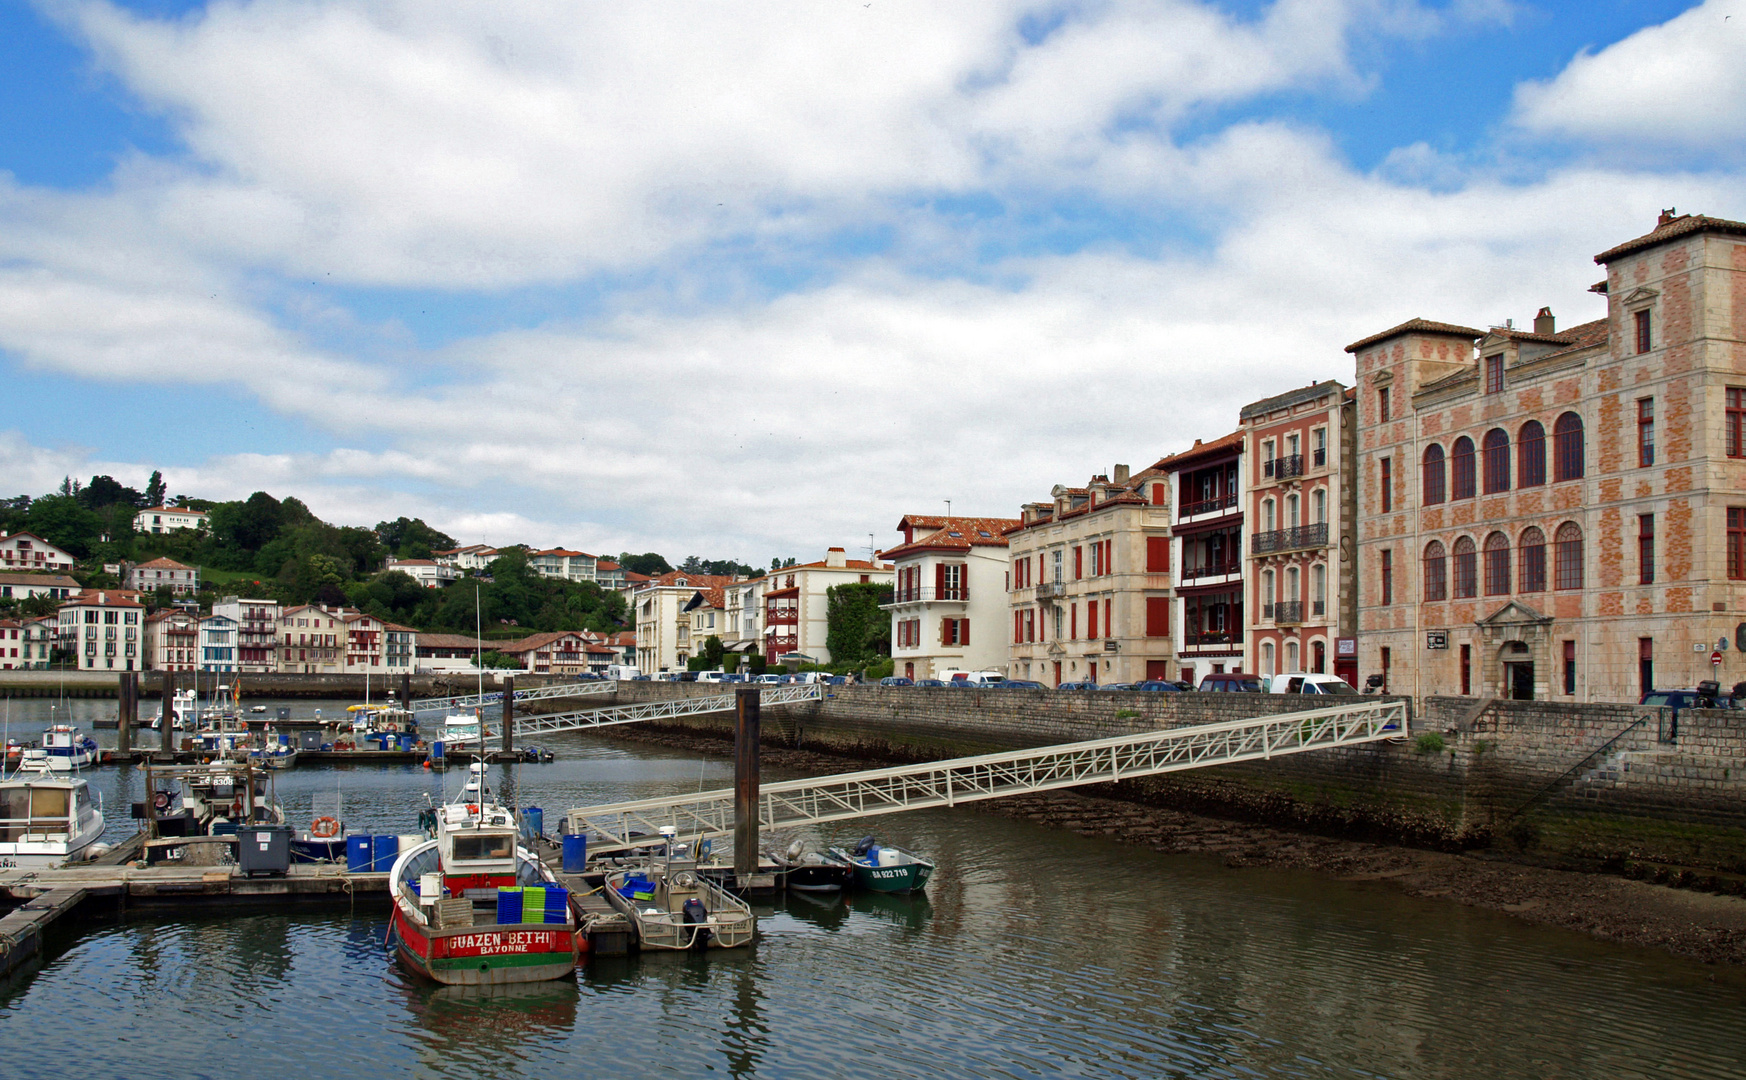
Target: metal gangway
<point x="620" y="826"/>
<point x="588" y="719"/>
<point x="532" y="693"/>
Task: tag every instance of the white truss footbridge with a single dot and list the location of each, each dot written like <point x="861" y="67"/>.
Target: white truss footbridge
<point x="588" y="719"/>
<point x="532" y="693"/>
<point x="619" y="826"/>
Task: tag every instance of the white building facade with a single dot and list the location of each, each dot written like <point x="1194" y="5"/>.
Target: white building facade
<point x="165" y="519"/>
<point x="948" y="602"/>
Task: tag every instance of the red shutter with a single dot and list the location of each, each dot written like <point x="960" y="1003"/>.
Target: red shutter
<point x="1018" y="626"/>
<point x="1157" y="616"/>
<point x="1078" y="563"/>
<point x="1072" y="622"/>
<point x="1109" y="556"/>
<point x="1108" y="623"/>
<point x="939" y="580"/>
<point x="945" y="631"/>
<point x="1157" y="554"/>
<point x="963" y="631"/>
<point x="1091" y="621"/>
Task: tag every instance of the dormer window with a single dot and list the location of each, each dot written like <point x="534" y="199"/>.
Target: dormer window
<point x="1494" y="372"/>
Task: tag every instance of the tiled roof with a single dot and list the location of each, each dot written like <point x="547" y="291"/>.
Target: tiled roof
<point x="411" y="562"/>
<point x="559" y="552"/>
<point x="533" y="641"/>
<point x="1581" y="336"/>
<point x="1290" y="398"/>
<point x="606" y="564"/>
<point x="1233" y="441"/>
<point x="173" y="510"/>
<point x="162" y="564"/>
<point x="700" y="581"/>
<point x="1416" y="326"/>
<point x="968" y="534"/>
<point x="49" y="581"/>
<point x="848" y="564"/>
<point x="104" y="598"/>
<point x="1672" y="228"/>
<point x="452" y="641"/>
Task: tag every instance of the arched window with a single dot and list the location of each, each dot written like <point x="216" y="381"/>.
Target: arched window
<point x="1319" y="650"/>
<point x="1461" y="469"/>
<point x="1533" y="560"/>
<point x="1497" y="565"/>
<point x="1321" y="506"/>
<point x="1267" y="594"/>
<point x="1267" y="658"/>
<point x="1568" y="574"/>
<point x="1267" y="515"/>
<point x="1531" y="453"/>
<point x="1318" y="589"/>
<point x="1497" y="461"/>
<point x="1291" y="656"/>
<point x="1292" y="521"/>
<point x="1436" y="572"/>
<point x="1466" y="569"/>
<point x="1433" y="474"/>
<point x="1567" y="448"/>
<point x="1293" y="585"/>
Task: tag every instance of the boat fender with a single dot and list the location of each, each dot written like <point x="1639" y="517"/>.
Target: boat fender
<point x="865" y="844"/>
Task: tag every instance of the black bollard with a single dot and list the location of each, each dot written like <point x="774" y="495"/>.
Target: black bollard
<point x="746" y="702"/>
<point x="508" y="715"/>
<point x="127" y="713"/>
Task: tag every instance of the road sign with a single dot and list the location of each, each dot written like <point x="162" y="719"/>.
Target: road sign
<point x="1716" y="658"/>
<point x="1436" y="639"/>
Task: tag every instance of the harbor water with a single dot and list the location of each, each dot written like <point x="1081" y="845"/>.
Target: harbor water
<point x="1035" y="952"/>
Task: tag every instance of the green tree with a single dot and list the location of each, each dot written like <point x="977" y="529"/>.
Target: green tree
<point x="154" y="492"/>
<point x="491" y="658"/>
<point x="411" y="538"/>
<point x="647" y="563"/>
<point x="856" y="630"/>
<point x="62" y="521"/>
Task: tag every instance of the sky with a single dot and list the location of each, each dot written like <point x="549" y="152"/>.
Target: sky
<point x="750" y="280"/>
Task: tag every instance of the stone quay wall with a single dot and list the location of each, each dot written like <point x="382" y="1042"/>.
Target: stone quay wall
<point x="1587" y="786"/>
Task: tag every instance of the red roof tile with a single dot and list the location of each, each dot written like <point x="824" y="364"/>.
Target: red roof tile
<point x="1416" y="326"/>
<point x="1672" y="228"/>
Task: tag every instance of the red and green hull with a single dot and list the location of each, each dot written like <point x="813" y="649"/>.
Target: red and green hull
<point x="486" y="955"/>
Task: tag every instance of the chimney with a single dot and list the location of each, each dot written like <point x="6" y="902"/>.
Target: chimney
<point x="1544" y="323"/>
<point x="1666" y="217"/>
<point x="835" y="558"/>
<point x="1121" y="474"/>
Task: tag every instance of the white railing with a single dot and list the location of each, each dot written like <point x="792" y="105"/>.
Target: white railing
<point x="532" y="693"/>
<point x="587" y="719"/>
<point x="618" y="826"/>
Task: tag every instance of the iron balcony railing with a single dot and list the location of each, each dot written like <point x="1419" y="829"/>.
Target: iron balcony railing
<point x="1298" y="536"/>
<point x="1319" y="607"/>
<point x="1281" y="468"/>
<point x="1288" y="613"/>
<point x="1208" y="637"/>
<point x="1208" y="506"/>
<point x="1050" y="589"/>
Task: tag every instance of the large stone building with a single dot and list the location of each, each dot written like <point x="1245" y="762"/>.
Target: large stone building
<point x="1298" y="451"/>
<point x="661" y="607"/>
<point x="796" y="603"/>
<point x="1561" y="514"/>
<point x="951" y="577"/>
<point x="103" y="629"/>
<point x="1090" y="582"/>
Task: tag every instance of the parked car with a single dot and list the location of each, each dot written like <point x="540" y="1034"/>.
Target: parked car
<point x="769" y="679"/>
<point x="835" y="680"/>
<point x="896" y="680"/>
<point x="977" y="677"/>
<point x="1117" y="686"/>
<point x="1082" y="684"/>
<point x="1016" y="684"/>
<point x="1707" y="695"/>
<point x="641" y="678"/>
<point x="1232" y="682"/>
<point x="1303" y="682"/>
<point x="1159" y="685"/>
<point x="930" y="682"/>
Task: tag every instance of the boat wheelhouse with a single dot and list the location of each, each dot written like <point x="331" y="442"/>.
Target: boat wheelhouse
<point x="64" y="748"/>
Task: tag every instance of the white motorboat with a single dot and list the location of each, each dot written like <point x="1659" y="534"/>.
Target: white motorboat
<point x="675" y="908"/>
<point x="184" y="706"/>
<point x="47" y="820"/>
<point x="64" y="748"/>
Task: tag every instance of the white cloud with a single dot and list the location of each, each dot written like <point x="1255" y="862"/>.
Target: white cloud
<point x="1680" y="83"/>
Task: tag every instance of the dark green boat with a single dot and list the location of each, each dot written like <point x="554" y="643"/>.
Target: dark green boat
<point x="885" y="868"/>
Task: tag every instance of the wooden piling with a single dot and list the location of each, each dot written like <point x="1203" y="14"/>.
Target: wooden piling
<point x="406" y="690"/>
<point x="127" y="712"/>
<point x="508" y="716"/>
<point x="746" y="703"/>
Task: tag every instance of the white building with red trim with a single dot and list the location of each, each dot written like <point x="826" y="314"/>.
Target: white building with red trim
<point x="948" y="602"/>
<point x="166" y="519"/>
<point x="162" y="572"/>
<point x="27" y="551"/>
<point x="796" y="615"/>
<point x="104" y="631"/>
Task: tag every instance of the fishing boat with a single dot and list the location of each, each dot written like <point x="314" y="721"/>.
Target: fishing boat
<point x="886" y="867"/>
<point x="465" y="731"/>
<point x="808" y="869"/>
<point x="47" y="820"/>
<point x="64" y="748"/>
<point x="275" y="752"/>
<point x="183" y="708"/>
<point x="675" y="908"/>
<point x="473" y="907"/>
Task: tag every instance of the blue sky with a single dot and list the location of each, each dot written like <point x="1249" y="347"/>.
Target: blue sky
<point x="749" y="280"/>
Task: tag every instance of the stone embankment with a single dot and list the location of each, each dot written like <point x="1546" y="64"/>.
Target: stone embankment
<point x="1508" y="805"/>
<point x="101" y="684"/>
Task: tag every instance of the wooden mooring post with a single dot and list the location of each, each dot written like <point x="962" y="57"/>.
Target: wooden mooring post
<point x="746" y="702"/>
<point x="508" y="715"/>
<point x="167" y="714"/>
<point x="127" y="712"/>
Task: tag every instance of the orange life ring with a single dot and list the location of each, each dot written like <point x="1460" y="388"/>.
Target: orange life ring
<point x="324" y="828"/>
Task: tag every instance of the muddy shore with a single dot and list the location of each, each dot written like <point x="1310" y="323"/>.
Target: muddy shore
<point x="1698" y="925"/>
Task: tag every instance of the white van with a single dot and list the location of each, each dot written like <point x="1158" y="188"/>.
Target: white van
<point x="710" y="676"/>
<point x="972" y="678"/>
<point x="622" y="671"/>
<point x="1304" y="682"/>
